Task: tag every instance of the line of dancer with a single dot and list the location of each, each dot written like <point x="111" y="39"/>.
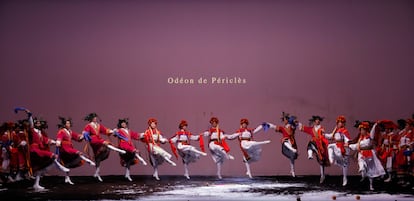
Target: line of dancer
<point x="383" y="148"/>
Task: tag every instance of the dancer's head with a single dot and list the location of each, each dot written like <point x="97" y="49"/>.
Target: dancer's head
<point x="123" y="123"/>
<point x="65" y="122"/>
<point x="244" y="123"/>
<point x="39" y="123"/>
<point x="152" y="122"/>
<point x="91" y="117"/>
<point x="183" y="124"/>
<point x="214" y="121"/>
<point x="285" y="117"/>
<point x="316" y="120"/>
<point x="364" y="127"/>
<point x="409" y="123"/>
<point x="340" y="121"/>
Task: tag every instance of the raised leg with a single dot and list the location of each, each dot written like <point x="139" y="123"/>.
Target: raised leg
<point x="289" y="146"/>
<point x="116" y="149"/>
<point x="140" y="159"/>
<point x="60" y="166"/>
<point x="87" y="160"/>
<point x="170" y="161"/>
<point x="310" y="154"/>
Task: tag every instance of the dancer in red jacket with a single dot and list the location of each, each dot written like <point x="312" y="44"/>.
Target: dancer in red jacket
<point x="125" y="142"/>
<point x="318" y="143"/>
<point x="68" y="155"/>
<point x="100" y="147"/>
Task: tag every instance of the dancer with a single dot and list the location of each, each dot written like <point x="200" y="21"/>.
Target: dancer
<point x="318" y="144"/>
<point x="68" y="155"/>
<point x="100" y="146"/>
<point x="388" y="146"/>
<point x="7" y="139"/>
<point x="217" y="144"/>
<point x="40" y="155"/>
<point x="181" y="141"/>
<point x="20" y="163"/>
<point x="125" y="143"/>
<point x="404" y="155"/>
<point x="369" y="165"/>
<point x="152" y="137"/>
<point x="338" y="150"/>
<point x="289" y="147"/>
<point x="250" y="148"/>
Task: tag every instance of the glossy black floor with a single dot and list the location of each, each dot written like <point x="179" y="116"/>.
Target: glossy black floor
<point x="118" y="188"/>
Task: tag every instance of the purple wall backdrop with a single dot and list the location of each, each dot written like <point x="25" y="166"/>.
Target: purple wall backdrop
<point x="115" y="58"/>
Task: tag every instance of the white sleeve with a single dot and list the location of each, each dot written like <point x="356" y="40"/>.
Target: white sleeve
<point x="345" y="139"/>
<point x="272" y="126"/>
<point x="328" y="135"/>
<point x="365" y="143"/>
<point x="300" y="126"/>
<point x="206" y="133"/>
<point x="195" y="137"/>
<point x="353" y="146"/>
<point x="163" y="139"/>
<point x="257" y="129"/>
<point x="231" y="136"/>
<point x="372" y="133"/>
<point x="174" y="139"/>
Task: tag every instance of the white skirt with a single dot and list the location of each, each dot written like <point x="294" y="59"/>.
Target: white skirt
<point x="253" y="149"/>
<point x="187" y="153"/>
<point x="158" y="155"/>
<point x="372" y="166"/>
<point x="336" y="157"/>
<point x="217" y="152"/>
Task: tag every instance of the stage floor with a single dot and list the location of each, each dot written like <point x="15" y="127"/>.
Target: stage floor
<point x="205" y="188"/>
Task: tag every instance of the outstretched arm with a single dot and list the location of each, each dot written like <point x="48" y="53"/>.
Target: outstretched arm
<point x="174" y="139"/>
<point x="205" y="133"/>
<point x="195" y="137"/>
<point x="231" y="136"/>
<point x="372" y="133"/>
<point x="271" y="126"/>
<point x="330" y="135"/>
<point x="257" y="129"/>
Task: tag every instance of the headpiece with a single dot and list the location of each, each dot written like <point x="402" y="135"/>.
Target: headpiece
<point x="244" y="121"/>
<point x="315" y="117"/>
<point x="341" y="118"/>
<point x="214" y="119"/>
<point x="365" y="125"/>
<point x="182" y="124"/>
<point x="90" y="116"/>
<point x="63" y="121"/>
<point x="152" y="120"/>
<point x="120" y="121"/>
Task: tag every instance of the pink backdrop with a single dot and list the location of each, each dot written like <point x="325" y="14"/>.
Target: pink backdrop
<point x="115" y="58"/>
